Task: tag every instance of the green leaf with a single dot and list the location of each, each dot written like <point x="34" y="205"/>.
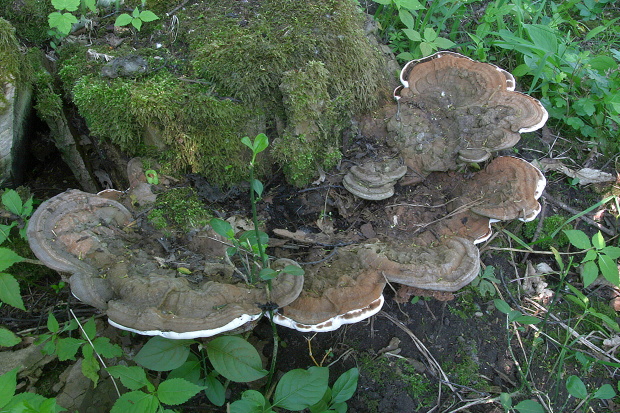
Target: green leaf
<point x="215" y="391"/>
<point x="162" y="354"/>
<point x="177" y="391"/>
<point x="527" y="319"/>
<point x="136" y="402"/>
<point x="605" y="392"/>
<point x="107" y="349"/>
<point x="444" y="43"/>
<point x="132" y="377"/>
<point x="123" y="20"/>
<point x="413" y="35"/>
<point x="406" y="18"/>
<point x="598" y="241"/>
<point x="63" y="22"/>
<point x="345" y="386"/>
<point x="611" y="252"/>
<point x="135" y="13"/>
<point x="251" y="402"/>
<point x="609" y="269"/>
<point x="90" y="328"/>
<point x="529" y="406"/>
<point x="66" y="348"/>
<point x="429" y="34"/>
<point x="247" y="142"/>
<point x="8" y="384"/>
<point x="9" y="291"/>
<point x="148" y="16"/>
<point x="12" y="201"/>
<point x="576" y="387"/>
<point x="235" y="359"/>
<point x="506" y="401"/>
<point x="591" y="255"/>
<point x="69" y="5"/>
<point x="90" y="4"/>
<point x="5" y="231"/>
<point x="8" y="258"/>
<point x="190" y="370"/>
<point x="578" y="238"/>
<point x="426" y="48"/>
<point x="52" y="323"/>
<point x="294" y="270"/>
<point x="410" y="4"/>
<point x="137" y="23"/>
<point x="299" y="389"/>
<point x="90" y="365"/>
<point x="267" y="274"/>
<point x="260" y="143"/>
<point x="543" y="37"/>
<point x="502" y="306"/>
<point x="8" y="339"/>
<point x="222" y="227"/>
<point x="257" y="186"/>
<point x="589" y="273"/>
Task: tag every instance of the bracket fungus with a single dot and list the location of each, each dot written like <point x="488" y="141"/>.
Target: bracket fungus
<point x="374" y="180"/>
<point x="114" y="269"/>
<point x="448" y="266"/>
<point x="338" y="291"/>
<point x="454" y="109"/>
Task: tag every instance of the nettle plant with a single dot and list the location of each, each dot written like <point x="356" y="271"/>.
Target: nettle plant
<point x="62" y="20"/>
<point x="599" y="259"/>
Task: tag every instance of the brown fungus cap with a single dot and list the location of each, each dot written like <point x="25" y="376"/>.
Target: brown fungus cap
<point x="448" y="266"/>
<point x="452" y="108"/>
<point x="374" y="180"/>
<point x="338" y="291"/>
<point x="508" y="188"/>
<point x="115" y="270"/>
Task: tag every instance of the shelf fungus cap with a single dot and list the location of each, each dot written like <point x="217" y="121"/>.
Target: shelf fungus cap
<point x="172" y="308"/>
<point x="374" y="180"/>
<point x="454" y="109"/>
<point x="448" y="266"/>
<point x="508" y="188"/>
<point x="337" y="292"/>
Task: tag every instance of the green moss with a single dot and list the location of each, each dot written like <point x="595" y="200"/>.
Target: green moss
<point x="29" y="18"/>
<point x="464" y="369"/>
<point x="464" y="307"/>
<point x="178" y="209"/>
<point x="550" y="225"/>
<point x="14" y="68"/>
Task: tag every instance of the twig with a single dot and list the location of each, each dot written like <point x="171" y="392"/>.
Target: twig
<point x="579" y="214"/>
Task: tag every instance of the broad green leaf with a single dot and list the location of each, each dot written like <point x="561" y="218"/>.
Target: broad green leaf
<point x="247" y="142"/>
<point x="66" y="348"/>
<point x="267" y="274"/>
<point x="543" y="37"/>
<point x="410" y="4"/>
<point x="148" y="16"/>
<point x="529" y="406"/>
<point x="162" y="354"/>
<point x="293" y="270"/>
<point x="578" y="238"/>
<point x="222" y="227"/>
<point x="598" y="241"/>
<point x="235" y="359"/>
<point x="611" y="252"/>
<point x="406" y="18"/>
<point x="345" y="386"/>
<point x="62" y="22"/>
<point x="513" y="315"/>
<point x="260" y="143"/>
<point x="605" y="392"/>
<point x="90" y="4"/>
<point x="52" y="323"/>
<point x="190" y="370"/>
<point x="215" y="391"/>
<point x="527" y="319"/>
<point x="70" y="5"/>
<point x="12" y="202"/>
<point x="107" y="349"/>
<point x="430" y="35"/>
<point x="177" y="391"/>
<point x="602" y="63"/>
<point x="444" y="43"/>
<point x="8" y="383"/>
<point x="299" y="389"/>
<point x="5" y="231"/>
<point x="505" y="400"/>
<point x="257" y="186"/>
<point x="8" y="258"/>
<point x="123" y="20"/>
<point x="609" y="269"/>
<point x="136" y="402"/>
<point x="137" y="23"/>
<point x="576" y="387"/>
<point x="9" y="291"/>
<point x="135" y="13"/>
<point x="8" y="339"/>
<point x="591" y="255"/>
<point x="426" y="48"/>
<point x="413" y="35"/>
<point x="502" y="306"/>
<point x="132" y="377"/>
<point x="246" y="406"/>
<point x="90" y="328"/>
<point x="589" y="273"/>
<point x="31" y="403"/>
<point x="90" y="365"/>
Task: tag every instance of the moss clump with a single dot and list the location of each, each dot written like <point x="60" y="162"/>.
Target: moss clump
<point x="29" y="18"/>
<point x="549" y="226"/>
<point x="178" y="209"/>
<point x="13" y="62"/>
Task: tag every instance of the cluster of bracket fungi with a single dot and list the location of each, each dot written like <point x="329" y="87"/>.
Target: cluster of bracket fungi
<point x="451" y="111"/>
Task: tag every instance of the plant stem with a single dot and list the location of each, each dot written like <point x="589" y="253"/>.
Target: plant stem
<point x="274" y="357"/>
